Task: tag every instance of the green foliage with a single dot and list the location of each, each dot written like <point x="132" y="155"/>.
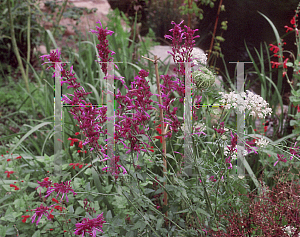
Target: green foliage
<point x="20" y="15"/>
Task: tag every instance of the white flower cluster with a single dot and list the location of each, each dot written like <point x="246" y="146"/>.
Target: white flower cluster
<point x="226" y="150"/>
<point x="290" y="231"/>
<point x="249" y="101"/>
<point x="199" y="56"/>
<point x="262" y="142"/>
<point x="198" y="127"/>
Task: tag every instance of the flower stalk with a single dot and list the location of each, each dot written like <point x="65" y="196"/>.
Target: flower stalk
<point x="161" y="117"/>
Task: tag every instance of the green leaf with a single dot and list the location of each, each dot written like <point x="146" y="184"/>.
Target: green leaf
<point x="37" y="234"/>
<point x="182" y="211"/>
<point x="220" y="38"/>
<point x="148" y="190"/>
<point x="159" y="223"/>
<point x="199" y="210"/>
<point x="108" y="215"/>
<point x="19" y="203"/>
<point x="139" y="225"/>
<point x="71" y="209"/>
<point x="79" y="210"/>
<point x="294" y="122"/>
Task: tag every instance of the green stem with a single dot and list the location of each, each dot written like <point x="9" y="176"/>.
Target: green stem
<point x="60" y="16"/>
<point x="15" y="47"/>
<point x="28" y="39"/>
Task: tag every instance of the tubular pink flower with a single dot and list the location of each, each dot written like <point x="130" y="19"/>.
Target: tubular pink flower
<point x="63" y="188"/>
<point x="90" y="226"/>
<point x="39" y="212"/>
<point x="280" y="158"/>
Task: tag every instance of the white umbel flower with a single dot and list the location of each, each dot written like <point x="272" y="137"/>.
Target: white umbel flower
<point x="256" y="104"/>
<point x="262" y="142"/>
<point x="199" y="57"/>
<point x="290" y="230"/>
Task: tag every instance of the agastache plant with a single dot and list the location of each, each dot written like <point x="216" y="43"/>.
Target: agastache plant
<point x="103" y="46"/>
<point x="182" y="52"/>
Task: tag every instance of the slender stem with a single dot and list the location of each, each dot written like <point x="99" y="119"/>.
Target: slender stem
<point x="215" y="28"/>
<point x="161" y="115"/>
<point x="28" y="39"/>
<point x="60" y="15"/>
<point x="15" y="47"/>
<point x="189" y="14"/>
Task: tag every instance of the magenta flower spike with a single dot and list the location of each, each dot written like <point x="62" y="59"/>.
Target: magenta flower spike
<point x="102" y="47"/>
<point x="45" y="183"/>
<point x="90" y="226"/>
<point x="39" y="212"/>
<point x="182" y="52"/>
<point x="62" y="188"/>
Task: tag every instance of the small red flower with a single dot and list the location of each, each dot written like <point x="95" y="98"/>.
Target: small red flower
<point x="9" y="173"/>
<point x="274" y="47"/>
<point x="25" y="218"/>
<point x="58" y="208"/>
<point x="159" y="137"/>
<point x="12" y="185"/>
<point x="8" y="160"/>
<point x="275" y="64"/>
<point x="54" y="200"/>
<point x="285" y="62"/>
<point x="293" y="22"/>
<point x="80" y="166"/>
<point x="288" y="29"/>
<point x="19" y="157"/>
<point x="77" y="133"/>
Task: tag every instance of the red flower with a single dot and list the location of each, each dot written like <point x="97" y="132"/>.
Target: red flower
<point x="159" y="137"/>
<point x="58" y="208"/>
<point x="284" y="63"/>
<point x="19" y="157"/>
<point x="275" y="64"/>
<point x="12" y="185"/>
<point x="9" y="173"/>
<point x="77" y="133"/>
<point x="8" y="160"/>
<point x="288" y="29"/>
<point x="54" y="200"/>
<point x="274" y="47"/>
<point x="293" y="22"/>
<point x="25" y="218"/>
